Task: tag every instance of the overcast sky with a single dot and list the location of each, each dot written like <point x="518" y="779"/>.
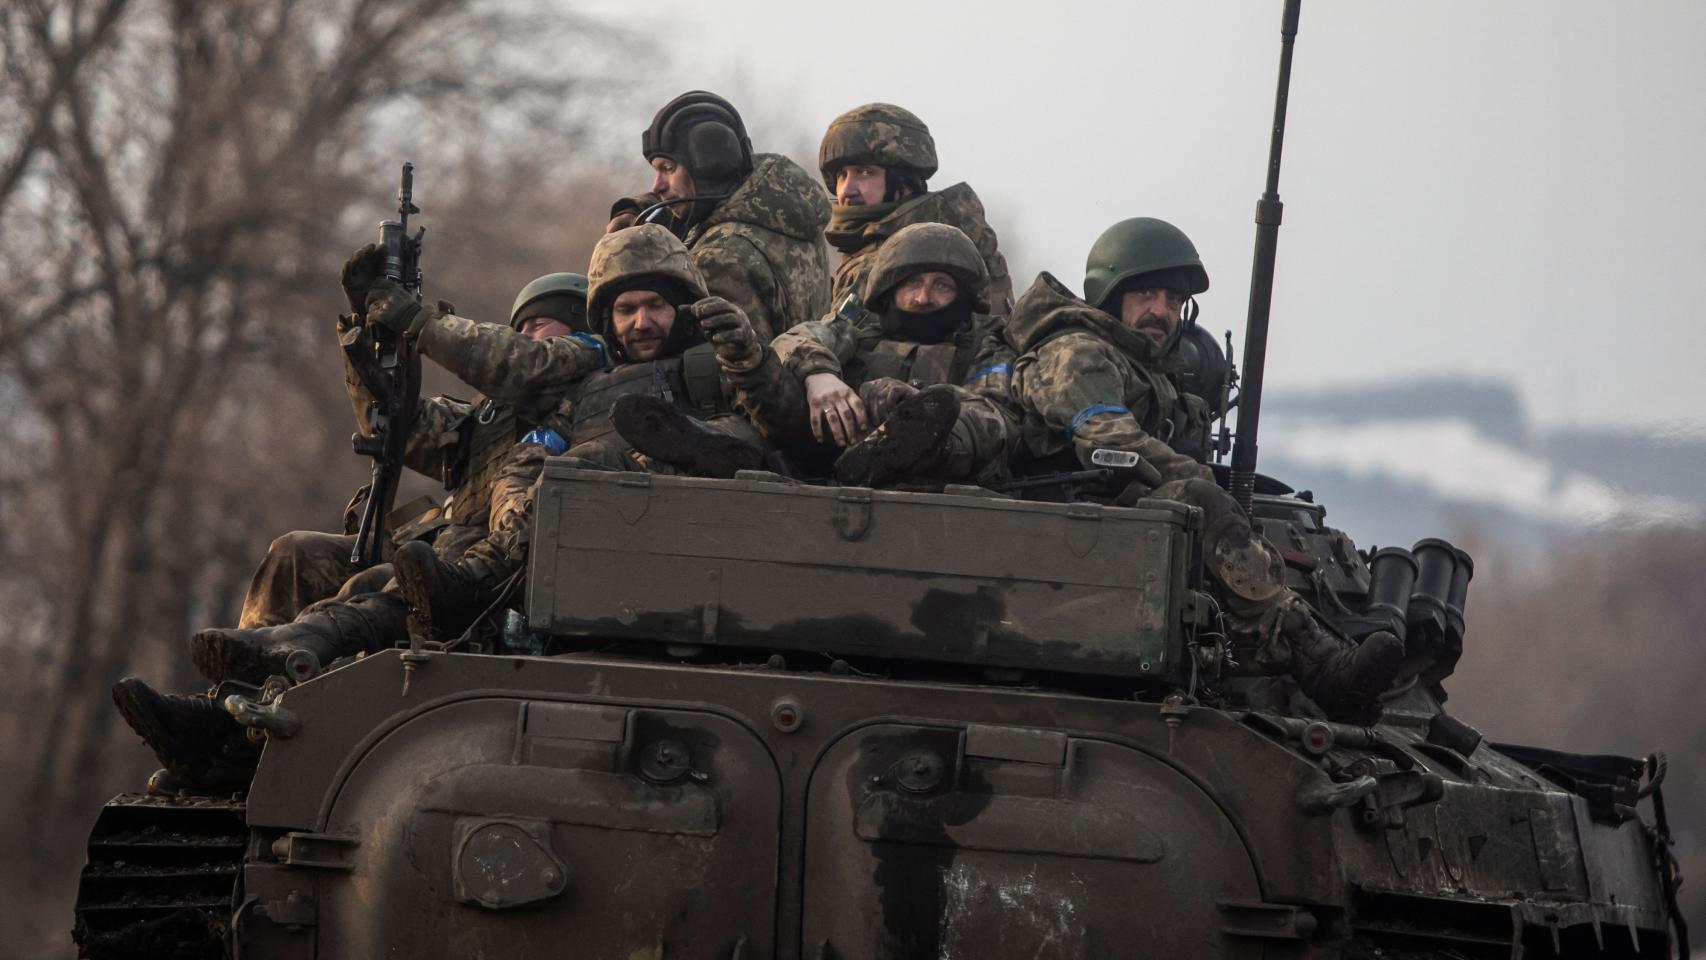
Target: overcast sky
<point x="1511" y="189"/>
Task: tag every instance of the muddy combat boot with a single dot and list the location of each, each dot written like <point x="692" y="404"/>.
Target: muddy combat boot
<point x="203" y="748"/>
<point x="300" y="650"/>
<point x="667" y="434"/>
<point x="445" y="598"/>
<point x="1345" y="678"/>
<point x="910" y="442"/>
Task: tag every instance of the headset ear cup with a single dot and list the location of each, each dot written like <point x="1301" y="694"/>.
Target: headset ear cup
<point x="713" y="152"/>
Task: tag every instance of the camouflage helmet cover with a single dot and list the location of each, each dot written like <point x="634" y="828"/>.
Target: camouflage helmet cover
<point x="881" y="134"/>
<point x="928" y="246"/>
<point x="647" y="251"/>
<point x="1132" y="248"/>
<point x="550" y="285"/>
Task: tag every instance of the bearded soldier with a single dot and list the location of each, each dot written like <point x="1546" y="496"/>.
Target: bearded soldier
<point x="754" y="222"/>
<point x="1090" y="375"/>
<point x="876" y="161"/>
<point x="921" y="357"/>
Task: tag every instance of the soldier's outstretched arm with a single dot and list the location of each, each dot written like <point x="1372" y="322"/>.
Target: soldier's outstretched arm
<point x="1080" y="389"/>
<point x="533" y="376"/>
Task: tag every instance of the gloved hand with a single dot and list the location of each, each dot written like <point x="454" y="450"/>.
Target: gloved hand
<point x="729" y="332"/>
<point x="396" y="309"/>
<point x="361" y="271"/>
<point x="1142" y="481"/>
<point x="880" y="396"/>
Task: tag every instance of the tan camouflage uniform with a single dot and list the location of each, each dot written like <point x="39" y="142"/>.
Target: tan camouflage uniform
<point x="858" y="231"/>
<point x="857" y="350"/>
<point x="526" y="382"/>
<point x="894" y="138"/>
<point x="762" y="249"/>
<point x="1083" y="381"/>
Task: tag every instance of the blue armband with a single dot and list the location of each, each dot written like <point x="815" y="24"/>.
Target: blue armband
<point x="1094" y="410"/>
<point x="997" y="369"/>
<point x="551" y="440"/>
<point x="596" y="344"/>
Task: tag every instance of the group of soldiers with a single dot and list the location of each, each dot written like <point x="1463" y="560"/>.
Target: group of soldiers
<point x="708" y="336"/>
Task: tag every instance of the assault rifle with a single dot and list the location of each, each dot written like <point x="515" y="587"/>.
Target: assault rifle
<point x="1108" y="465"/>
<point x="388" y="368"/>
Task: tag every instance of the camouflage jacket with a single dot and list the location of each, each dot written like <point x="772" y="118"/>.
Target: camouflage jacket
<point x="762" y="249"/>
<point x="1083" y="381"/>
<point x="523" y="382"/>
<point x="852" y="345"/>
<point x="858" y="237"/>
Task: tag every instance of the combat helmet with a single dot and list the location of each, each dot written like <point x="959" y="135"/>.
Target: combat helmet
<point x="559" y="295"/>
<point x="881" y="134"/>
<point x="627" y="258"/>
<point x="928" y="246"/>
<point x="1141" y="245"/>
<point x="704" y="133"/>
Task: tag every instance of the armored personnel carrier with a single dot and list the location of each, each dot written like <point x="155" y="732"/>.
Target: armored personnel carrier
<point x="756" y="718"/>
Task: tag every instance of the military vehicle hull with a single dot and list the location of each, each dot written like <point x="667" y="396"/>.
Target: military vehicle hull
<point x="479" y="805"/>
<point x="699" y="773"/>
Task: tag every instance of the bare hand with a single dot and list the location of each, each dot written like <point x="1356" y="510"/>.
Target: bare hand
<point x="621" y="221"/>
<point x="831" y="401"/>
<point x="880" y="396"/>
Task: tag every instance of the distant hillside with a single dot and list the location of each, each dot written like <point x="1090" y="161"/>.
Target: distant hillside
<point x="1439" y="456"/>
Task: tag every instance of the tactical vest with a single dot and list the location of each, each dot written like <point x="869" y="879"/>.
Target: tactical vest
<point x="486" y="435"/>
<point x="690" y="380"/>
<point x="927" y="363"/>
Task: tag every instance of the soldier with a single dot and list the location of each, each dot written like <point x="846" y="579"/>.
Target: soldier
<point x="899" y="361"/>
<point x="876" y="160"/>
<point x="754" y="222"/>
<point x="450" y="440"/>
<point x="473" y="447"/>
<point x="1089" y="376"/>
<point x="648" y="300"/>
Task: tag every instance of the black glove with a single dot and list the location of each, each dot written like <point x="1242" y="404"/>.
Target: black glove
<point x="728" y="330"/>
<point x="364" y="267"/>
<point x="396" y="309"/>
<point x="1141" y="481"/>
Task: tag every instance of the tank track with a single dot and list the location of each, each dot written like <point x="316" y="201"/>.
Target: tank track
<point x="160" y="878"/>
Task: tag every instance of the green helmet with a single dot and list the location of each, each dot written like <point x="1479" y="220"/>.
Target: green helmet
<point x="1134" y="247"/>
<point x="928" y="246"/>
<point x="881" y="134"/>
<point x="644" y="252"/>
<point x="559" y="295"/>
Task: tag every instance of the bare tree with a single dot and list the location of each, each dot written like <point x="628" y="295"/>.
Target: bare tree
<point x="178" y="182"/>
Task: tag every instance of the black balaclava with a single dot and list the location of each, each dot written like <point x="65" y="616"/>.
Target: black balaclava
<point x="933" y="327"/>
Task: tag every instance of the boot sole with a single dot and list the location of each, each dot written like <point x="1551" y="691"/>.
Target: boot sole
<point x="664" y="433"/>
<point x="134" y="706"/>
<point x="918" y="425"/>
